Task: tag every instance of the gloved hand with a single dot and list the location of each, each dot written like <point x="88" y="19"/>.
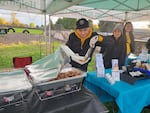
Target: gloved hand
<point x="93" y="40"/>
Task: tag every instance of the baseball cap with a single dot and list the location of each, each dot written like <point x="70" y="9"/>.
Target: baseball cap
<point x="82" y="23"/>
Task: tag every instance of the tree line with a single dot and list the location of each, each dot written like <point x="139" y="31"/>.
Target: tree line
<point x="61" y="24"/>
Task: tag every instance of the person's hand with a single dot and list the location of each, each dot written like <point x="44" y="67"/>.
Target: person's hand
<point x="79" y="59"/>
<point x="93" y="40"/>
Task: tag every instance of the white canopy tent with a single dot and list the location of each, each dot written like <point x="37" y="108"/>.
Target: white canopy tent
<point x="119" y="10"/>
<point x="37" y="6"/>
<point x="111" y="10"/>
<point x="102" y="14"/>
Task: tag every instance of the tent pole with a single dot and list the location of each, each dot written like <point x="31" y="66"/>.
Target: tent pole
<point x="45" y="30"/>
<point x="49" y="34"/>
<point x="126" y="16"/>
<point x="45" y="33"/>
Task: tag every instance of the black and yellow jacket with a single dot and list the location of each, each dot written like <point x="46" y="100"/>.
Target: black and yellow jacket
<point x="80" y="46"/>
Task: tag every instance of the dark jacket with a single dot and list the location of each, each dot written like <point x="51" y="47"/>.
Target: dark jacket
<point x="148" y="45"/>
<point x="74" y="43"/>
<point x="116" y="51"/>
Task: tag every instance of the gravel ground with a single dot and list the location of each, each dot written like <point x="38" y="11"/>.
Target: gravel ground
<point x="16" y="38"/>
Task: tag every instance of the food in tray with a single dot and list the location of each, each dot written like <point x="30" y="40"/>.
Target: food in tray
<point x="54" y="74"/>
<point x="66" y="74"/>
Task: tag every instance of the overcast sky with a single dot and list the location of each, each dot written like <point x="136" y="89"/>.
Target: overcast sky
<point x="27" y="18"/>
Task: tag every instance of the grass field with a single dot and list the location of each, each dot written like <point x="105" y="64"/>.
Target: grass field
<point x="34" y="49"/>
<point x="31" y="31"/>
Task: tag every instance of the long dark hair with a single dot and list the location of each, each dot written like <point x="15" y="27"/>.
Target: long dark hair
<point x="131" y="36"/>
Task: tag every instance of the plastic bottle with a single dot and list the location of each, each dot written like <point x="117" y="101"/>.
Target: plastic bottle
<point x="110" y="79"/>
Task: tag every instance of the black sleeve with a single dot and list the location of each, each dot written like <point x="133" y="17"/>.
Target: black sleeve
<point x="68" y="43"/>
<point x="107" y="42"/>
<point x="132" y="43"/>
<point x="148" y="45"/>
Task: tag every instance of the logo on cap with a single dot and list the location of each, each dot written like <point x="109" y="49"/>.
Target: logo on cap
<point x="81" y="22"/>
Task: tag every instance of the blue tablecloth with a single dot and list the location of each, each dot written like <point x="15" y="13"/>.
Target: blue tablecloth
<point x="129" y="98"/>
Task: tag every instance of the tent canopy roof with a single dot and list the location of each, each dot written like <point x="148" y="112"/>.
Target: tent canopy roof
<point x="114" y="10"/>
<point x="120" y="5"/>
<point x="99" y="14"/>
<point x="37" y="6"/>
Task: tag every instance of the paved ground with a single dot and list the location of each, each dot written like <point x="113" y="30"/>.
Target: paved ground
<point x="58" y="35"/>
<point x="15" y="38"/>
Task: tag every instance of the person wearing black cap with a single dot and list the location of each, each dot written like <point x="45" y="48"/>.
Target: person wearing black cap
<point x="81" y="40"/>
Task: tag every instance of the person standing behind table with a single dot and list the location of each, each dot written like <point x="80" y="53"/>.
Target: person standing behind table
<point x="117" y="50"/>
<point x="81" y="40"/>
<point x="129" y="38"/>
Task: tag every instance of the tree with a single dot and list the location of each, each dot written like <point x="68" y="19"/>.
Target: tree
<point x="52" y="25"/>
<point x="107" y="26"/>
<point x="3" y="21"/>
<point x="37" y="26"/>
<point x="67" y="23"/>
<point x="15" y="21"/>
<point x="32" y="25"/>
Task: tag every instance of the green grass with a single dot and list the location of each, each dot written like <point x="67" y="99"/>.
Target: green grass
<point x="32" y="31"/>
<point x="7" y="54"/>
<point x="37" y="51"/>
<point x="91" y="66"/>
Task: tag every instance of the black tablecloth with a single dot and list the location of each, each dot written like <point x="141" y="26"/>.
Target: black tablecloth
<point x="82" y="101"/>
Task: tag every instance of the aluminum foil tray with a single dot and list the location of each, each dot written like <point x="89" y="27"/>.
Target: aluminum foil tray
<point x="14" y="87"/>
<point x="14" y="81"/>
<point x="55" y="84"/>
